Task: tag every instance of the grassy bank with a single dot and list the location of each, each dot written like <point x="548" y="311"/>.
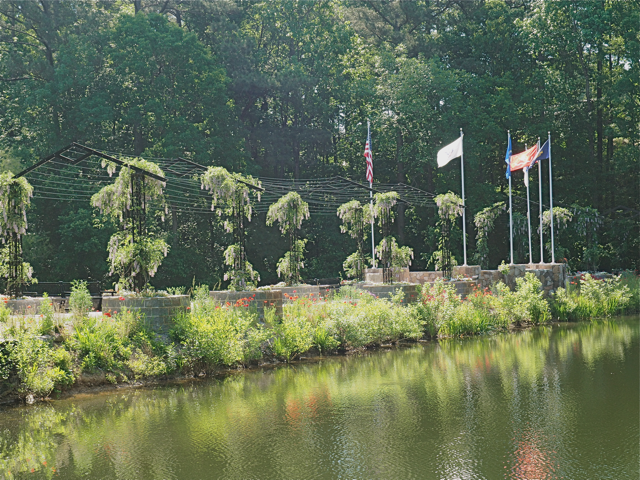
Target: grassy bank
<point x="42" y="355"/>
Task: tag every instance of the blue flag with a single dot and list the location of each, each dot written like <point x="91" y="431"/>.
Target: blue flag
<point x="543" y="153"/>
<point x="507" y="158"/>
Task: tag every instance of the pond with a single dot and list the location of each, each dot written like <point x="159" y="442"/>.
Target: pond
<point x="559" y="401"/>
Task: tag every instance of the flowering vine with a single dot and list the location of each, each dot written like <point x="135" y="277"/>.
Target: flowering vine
<point x="134" y="253"/>
<point x="289" y="211"/>
<point x="15" y="199"/>
<point x="231" y="196"/>
<point x="355" y="218"/>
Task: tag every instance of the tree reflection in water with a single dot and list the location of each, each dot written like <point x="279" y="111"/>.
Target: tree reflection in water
<point x="518" y="405"/>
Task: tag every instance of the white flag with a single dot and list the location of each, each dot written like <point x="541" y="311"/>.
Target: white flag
<point x="526" y="177"/>
<point x="448" y="153"/>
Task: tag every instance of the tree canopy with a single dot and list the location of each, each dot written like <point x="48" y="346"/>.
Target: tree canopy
<point x="284" y="89"/>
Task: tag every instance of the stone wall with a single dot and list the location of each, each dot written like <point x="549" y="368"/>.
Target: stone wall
<point x="261" y="299"/>
<point x="374" y="275"/>
<point x="424" y="277"/>
<point x="158" y="312"/>
<point x="31" y="305"/>
<point x="411" y="292"/>
<point x="469" y="271"/>
<point x="306" y="291"/>
<point x="551" y="275"/>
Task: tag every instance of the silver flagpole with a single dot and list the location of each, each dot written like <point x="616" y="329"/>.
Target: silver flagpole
<point x="553" y="251"/>
<point x="540" y="197"/>
<point x="464" y="223"/>
<point x="528" y="214"/>
<point x="373" y="242"/>
<point x="510" y="206"/>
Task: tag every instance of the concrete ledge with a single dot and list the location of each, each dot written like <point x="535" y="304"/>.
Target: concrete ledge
<point x="158" y="312"/>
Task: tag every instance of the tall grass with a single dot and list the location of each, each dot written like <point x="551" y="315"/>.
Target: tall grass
<point x="595" y="298"/>
<point x="213" y="335"/>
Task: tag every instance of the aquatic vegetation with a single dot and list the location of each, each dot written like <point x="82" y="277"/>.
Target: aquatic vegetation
<point x="37" y="364"/>
<point x="594" y="298"/>
<point x="218" y="335"/>
<point x="213" y="336"/>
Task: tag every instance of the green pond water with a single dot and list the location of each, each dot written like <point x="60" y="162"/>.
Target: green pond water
<point x="553" y="402"/>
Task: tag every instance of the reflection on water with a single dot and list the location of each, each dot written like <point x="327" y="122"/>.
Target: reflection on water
<point x="553" y="402"/>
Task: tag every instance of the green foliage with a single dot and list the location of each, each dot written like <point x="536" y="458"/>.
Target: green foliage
<point x="4" y="311"/>
<point x="594" y="299"/>
<point x="80" y="299"/>
<point x="214" y="335"/>
<point x="289" y="212"/>
<point x="46" y="315"/>
<point x="383" y="205"/>
<point x="449" y="206"/>
<point x="503" y="268"/>
<point x="400" y="256"/>
<point x="130" y="260"/>
<point x="39" y="366"/>
<point x="240" y="274"/>
<point x="289" y="266"/>
<point x="134" y="254"/>
<point x="355" y="264"/>
<point x="355" y="218"/>
<point x="484" y="221"/>
<point x="526" y="304"/>
<point x="15" y="199"/>
<point x="294" y="335"/>
<point x="231" y="198"/>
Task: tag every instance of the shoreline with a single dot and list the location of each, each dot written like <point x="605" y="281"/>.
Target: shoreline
<point x="94" y="384"/>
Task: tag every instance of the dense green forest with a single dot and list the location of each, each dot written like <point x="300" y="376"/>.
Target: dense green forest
<point x="283" y="89"/>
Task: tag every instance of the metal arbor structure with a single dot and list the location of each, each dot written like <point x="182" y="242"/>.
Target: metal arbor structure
<point x="135" y="216"/>
<point x="70" y="175"/>
<point x="13" y="240"/>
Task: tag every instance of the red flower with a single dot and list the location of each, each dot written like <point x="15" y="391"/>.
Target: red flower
<point x="107" y="314"/>
<point x="28" y="306"/>
<point x="188" y="308"/>
<point x="120" y="298"/>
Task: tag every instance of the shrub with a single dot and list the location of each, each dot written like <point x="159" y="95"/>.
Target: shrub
<point x="105" y="342"/>
<point x="217" y="335"/>
<point x="632" y="281"/>
<point x="526" y="304"/>
<point x="98" y="344"/>
<point x="466" y="321"/>
<point x="39" y="367"/>
<point x="80" y="299"/>
<point x="595" y="298"/>
<point x="292" y="337"/>
<point x="437" y="306"/>
<point x="46" y="315"/>
<point x="4" y="311"/>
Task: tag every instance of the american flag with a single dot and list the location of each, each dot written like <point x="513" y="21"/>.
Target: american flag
<point x="368" y="156"/>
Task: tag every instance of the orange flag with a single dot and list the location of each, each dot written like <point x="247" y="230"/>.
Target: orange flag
<point x="523" y="159"/>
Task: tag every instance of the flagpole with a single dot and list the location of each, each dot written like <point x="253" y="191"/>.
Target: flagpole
<point x="373" y="242"/>
<point x="528" y="213"/>
<point x="464" y="223"/>
<point x="553" y="251"/>
<point x="540" y="210"/>
<point x="510" y="205"/>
